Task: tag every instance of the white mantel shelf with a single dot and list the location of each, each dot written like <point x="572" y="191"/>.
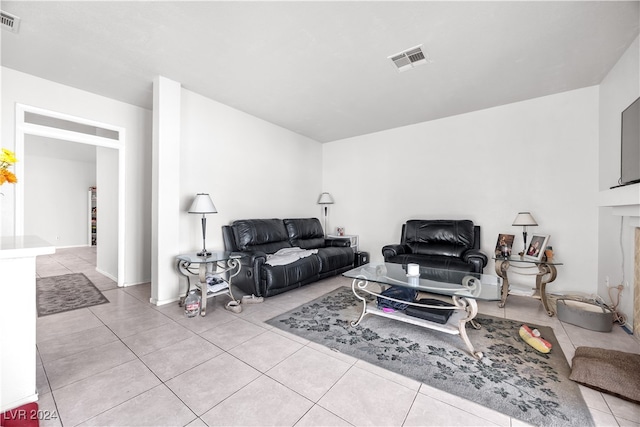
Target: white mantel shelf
<point x="625" y="201"/>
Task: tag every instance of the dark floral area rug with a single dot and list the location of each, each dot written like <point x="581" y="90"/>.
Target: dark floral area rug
<point x="56" y="294"/>
<point x="511" y="378"/>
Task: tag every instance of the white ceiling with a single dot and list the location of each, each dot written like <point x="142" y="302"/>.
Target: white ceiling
<point x="321" y="68"/>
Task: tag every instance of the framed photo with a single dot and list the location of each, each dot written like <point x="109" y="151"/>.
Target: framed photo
<point x="504" y="245"/>
<point x="536" y="247"/>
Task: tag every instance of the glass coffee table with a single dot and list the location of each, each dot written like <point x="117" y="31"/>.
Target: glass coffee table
<point x="463" y="288"/>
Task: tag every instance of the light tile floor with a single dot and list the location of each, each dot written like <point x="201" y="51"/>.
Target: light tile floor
<point x="131" y="363"/>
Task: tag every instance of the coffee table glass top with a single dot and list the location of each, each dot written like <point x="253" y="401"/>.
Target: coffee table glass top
<point x="432" y="280"/>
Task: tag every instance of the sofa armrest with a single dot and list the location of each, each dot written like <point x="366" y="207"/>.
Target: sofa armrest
<point x="477" y="258"/>
<point x="389" y="251"/>
<point x="340" y="243"/>
<point x="249" y="277"/>
<point x="250" y="257"/>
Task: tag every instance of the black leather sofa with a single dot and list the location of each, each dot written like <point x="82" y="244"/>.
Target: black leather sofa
<point x="257" y="238"/>
<point x="446" y="244"/>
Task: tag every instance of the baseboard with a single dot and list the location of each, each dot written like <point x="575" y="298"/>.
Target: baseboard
<point x="163" y="302"/>
<point x="127" y="285"/>
<point x="104" y="273"/>
<point x="73" y="246"/>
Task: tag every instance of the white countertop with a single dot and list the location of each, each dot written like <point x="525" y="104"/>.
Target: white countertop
<point x="24" y="246"/>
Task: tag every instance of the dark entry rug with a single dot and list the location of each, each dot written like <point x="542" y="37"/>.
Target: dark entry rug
<point x="56" y="294"/>
<point x="511" y="378"/>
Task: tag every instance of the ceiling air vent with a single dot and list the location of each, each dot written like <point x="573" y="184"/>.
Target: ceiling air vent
<point x="409" y="58"/>
<point x="9" y="22"/>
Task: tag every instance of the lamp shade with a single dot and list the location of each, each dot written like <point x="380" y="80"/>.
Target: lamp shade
<point x="202" y="204"/>
<point x="325" y="199"/>
<point x="524" y="218"/>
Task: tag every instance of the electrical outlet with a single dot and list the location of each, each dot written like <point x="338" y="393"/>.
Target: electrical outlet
<point x="626" y="283"/>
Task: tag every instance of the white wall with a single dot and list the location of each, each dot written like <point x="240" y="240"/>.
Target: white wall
<point x="107" y="211"/>
<point x="56" y="183"/>
<point x="17" y="87"/>
<point x="250" y="167"/>
<point x="539" y="155"/>
<point x="618" y="90"/>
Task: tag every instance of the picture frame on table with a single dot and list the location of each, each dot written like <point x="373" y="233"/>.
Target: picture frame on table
<point x="504" y="245"/>
<point x="536" y="247"/>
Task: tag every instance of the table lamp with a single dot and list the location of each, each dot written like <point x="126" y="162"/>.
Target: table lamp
<point x="202" y="204"/>
<point x="524" y="219"/>
<point x="325" y="199"/>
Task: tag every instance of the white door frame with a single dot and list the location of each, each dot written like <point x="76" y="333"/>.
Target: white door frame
<point x="23" y="128"/>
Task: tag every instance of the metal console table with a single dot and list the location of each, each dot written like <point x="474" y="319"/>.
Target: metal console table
<point x="222" y="264"/>
<point x="546" y="273"/>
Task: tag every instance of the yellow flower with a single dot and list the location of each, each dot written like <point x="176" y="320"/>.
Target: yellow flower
<point x="7" y="158"/>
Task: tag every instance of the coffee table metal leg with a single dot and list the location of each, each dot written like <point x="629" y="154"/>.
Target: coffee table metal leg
<point x="471" y="307"/>
<point x="361" y="284"/>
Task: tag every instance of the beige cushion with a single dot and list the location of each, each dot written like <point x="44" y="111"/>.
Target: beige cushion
<point x="609" y="371"/>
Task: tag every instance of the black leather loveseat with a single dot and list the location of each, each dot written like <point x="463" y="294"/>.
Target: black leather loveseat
<point x="259" y="239"/>
<point x="446" y="244"/>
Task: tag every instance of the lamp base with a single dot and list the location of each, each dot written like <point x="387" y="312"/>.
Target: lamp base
<point x="204" y="252"/>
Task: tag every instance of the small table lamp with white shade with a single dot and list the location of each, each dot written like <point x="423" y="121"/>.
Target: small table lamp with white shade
<point x="325" y="199"/>
<point x="525" y="219"/>
<point x="202" y="204"/>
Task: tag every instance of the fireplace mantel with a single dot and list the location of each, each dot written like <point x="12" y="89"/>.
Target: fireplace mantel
<point x="625" y="201"/>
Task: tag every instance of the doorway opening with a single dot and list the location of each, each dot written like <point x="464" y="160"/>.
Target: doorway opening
<point x="109" y="142"/>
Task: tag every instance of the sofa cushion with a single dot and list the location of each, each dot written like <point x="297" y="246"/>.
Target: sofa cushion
<point x="266" y="235"/>
<point x="306" y="233"/>
<point x="433" y="261"/>
<point x="332" y="259"/>
<point x="439" y="237"/>
<point x="281" y="277"/>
